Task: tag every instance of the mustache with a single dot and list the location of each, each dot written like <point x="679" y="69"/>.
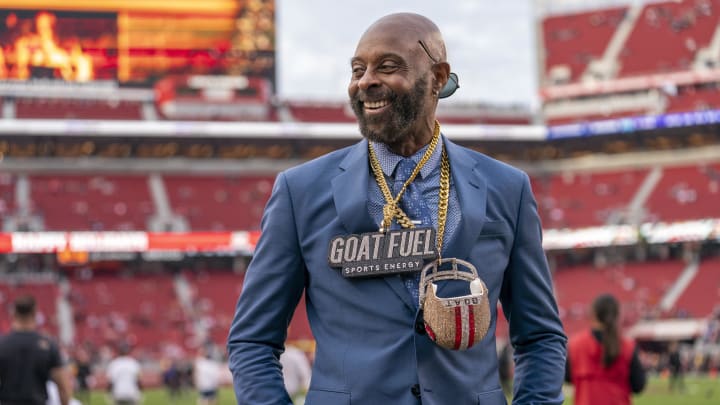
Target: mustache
<point x="363" y="96"/>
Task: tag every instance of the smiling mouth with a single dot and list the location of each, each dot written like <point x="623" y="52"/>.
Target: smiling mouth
<point x="375" y="105"/>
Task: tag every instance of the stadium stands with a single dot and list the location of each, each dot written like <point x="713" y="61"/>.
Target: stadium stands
<point x="215" y="296"/>
<point x="572" y="41"/>
<point x="574" y="200"/>
<point x="219" y="202"/>
<point x="681" y="27"/>
<point x="702" y="296"/>
<point x="321" y="112"/>
<point x="690" y="98"/>
<point x="87" y="202"/>
<point x="688" y="32"/>
<point x="571" y="199"/>
<point x="38" y="108"/>
<point x="7" y="193"/>
<point x="46" y="295"/>
<point x="686" y="192"/>
<point x="141" y="310"/>
<point x="638" y="286"/>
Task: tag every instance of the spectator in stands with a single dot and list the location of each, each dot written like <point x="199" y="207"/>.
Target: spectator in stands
<point x="603" y="366"/>
<point x="28" y="360"/>
<point x="123" y="374"/>
<point x="372" y="342"/>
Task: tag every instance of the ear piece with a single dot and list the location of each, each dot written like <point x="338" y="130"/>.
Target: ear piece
<point x="451" y="86"/>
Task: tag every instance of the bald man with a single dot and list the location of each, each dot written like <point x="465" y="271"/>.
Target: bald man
<point x="360" y="231"/>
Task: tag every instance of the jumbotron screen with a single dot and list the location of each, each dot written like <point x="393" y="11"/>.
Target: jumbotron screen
<point x="135" y="43"/>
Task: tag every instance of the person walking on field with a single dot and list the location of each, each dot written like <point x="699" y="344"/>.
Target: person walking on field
<point x="604" y="366"/>
<point x="123" y="374"/>
<point x="207" y="373"/>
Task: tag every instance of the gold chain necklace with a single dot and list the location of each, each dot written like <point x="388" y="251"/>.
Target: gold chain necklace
<point x="392" y="209"/>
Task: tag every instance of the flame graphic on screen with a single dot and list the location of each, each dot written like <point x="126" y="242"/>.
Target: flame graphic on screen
<point x="40" y="49"/>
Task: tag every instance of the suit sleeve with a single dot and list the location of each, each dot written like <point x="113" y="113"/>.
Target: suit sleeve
<point x="273" y="285"/>
<point x="527" y="299"/>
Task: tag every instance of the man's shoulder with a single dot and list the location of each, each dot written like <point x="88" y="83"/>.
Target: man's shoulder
<point x="320" y="165"/>
<point x="494" y="169"/>
<point x="13" y="338"/>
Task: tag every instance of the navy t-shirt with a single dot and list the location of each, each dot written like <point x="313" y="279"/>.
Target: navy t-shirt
<point x="26" y="358"/>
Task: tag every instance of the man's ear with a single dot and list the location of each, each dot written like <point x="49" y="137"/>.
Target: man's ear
<point x="448" y="82"/>
<point x="441" y="72"/>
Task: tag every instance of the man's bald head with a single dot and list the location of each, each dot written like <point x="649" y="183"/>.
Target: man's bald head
<point x="412" y="28"/>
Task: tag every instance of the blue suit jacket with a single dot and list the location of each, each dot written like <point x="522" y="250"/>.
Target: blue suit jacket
<point x="368" y="350"/>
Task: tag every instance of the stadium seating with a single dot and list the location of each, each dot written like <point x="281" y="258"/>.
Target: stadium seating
<point x="681" y="27"/>
<point x="37" y="108"/>
<point x="216" y="294"/>
<point x="686" y="192"/>
<point x="86" y="202"/>
<point x="45" y="293"/>
<point x="573" y="40"/>
<point x="215" y="203"/>
<point x="594" y="117"/>
<point x="7" y="193"/>
<point x="141" y="310"/>
<point x="321" y="111"/>
<point x="574" y="200"/>
<point x="638" y="286"/>
<point x="702" y="296"/>
<point x="232" y="202"/>
<point x="691" y="99"/>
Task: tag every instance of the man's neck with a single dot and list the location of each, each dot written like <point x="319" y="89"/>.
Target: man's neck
<point x="411" y="144"/>
<point x="21" y="325"/>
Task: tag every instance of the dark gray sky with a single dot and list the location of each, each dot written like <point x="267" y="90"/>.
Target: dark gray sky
<point x="491" y="45"/>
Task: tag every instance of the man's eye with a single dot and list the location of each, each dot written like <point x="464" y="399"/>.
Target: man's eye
<point x="387" y="68"/>
<point x="357" y="71"/>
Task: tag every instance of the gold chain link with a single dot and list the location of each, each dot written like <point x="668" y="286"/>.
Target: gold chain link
<point x="392" y="209"/>
<point x="443" y="200"/>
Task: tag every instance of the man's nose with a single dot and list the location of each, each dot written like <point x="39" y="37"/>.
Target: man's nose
<point x="368" y="80"/>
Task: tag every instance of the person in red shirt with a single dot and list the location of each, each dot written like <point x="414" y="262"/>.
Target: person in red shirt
<point x="603" y="365"/>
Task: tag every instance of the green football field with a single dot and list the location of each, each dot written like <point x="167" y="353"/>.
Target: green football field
<point x="699" y="391"/>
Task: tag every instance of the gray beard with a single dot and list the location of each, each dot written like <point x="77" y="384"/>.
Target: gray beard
<point x="405" y="111"/>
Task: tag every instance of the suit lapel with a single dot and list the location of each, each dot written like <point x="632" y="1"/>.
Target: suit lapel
<point x="350" y="194"/>
<point x="350" y="191"/>
<point x="471" y="190"/>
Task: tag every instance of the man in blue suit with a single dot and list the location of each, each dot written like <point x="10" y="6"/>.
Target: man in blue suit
<point x="373" y="346"/>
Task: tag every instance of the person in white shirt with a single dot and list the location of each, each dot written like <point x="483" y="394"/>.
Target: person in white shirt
<point x="296" y="372"/>
<point x="123" y="374"/>
<point x="206" y="375"/>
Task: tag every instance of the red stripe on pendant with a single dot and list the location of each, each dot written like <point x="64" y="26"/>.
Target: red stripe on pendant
<point x="471" y="326"/>
<point x="458" y="327"/>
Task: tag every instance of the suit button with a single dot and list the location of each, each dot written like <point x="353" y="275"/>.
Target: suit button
<point x="415" y="390"/>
